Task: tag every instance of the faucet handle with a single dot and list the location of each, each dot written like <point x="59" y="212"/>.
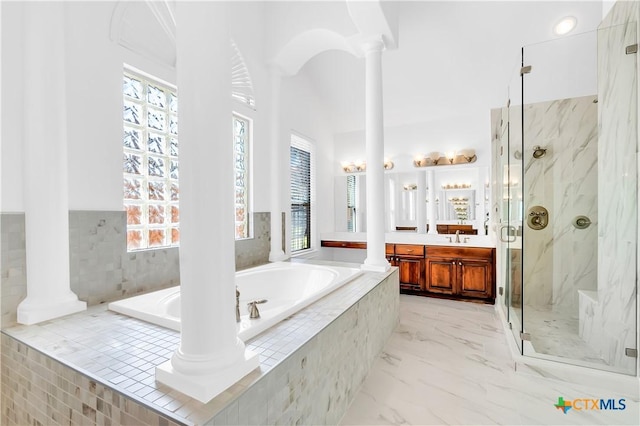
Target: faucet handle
<point x="253" y="308"/>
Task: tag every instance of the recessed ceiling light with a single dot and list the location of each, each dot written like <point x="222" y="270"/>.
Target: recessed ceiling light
<point x="565" y="26"/>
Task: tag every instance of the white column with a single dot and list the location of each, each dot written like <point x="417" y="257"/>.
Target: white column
<point x="374" y="129"/>
<point x="361" y="203"/>
<point x="210" y="357"/>
<point x="45" y="185"/>
<point x="421" y="200"/>
<point x="431" y="213"/>
<point x="276" y="252"/>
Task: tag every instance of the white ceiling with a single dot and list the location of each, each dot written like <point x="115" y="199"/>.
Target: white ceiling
<point x="453" y="64"/>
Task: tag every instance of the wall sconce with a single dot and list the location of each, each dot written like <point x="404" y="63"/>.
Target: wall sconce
<point x="468" y="154"/>
<point x="456" y="186"/>
<point x="451" y="155"/>
<point x="427" y="160"/>
<point x="410" y="187"/>
<point x="464" y="156"/>
<point x="361" y="166"/>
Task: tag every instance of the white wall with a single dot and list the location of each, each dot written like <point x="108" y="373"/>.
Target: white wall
<point x="12" y="105"/>
<point x="94" y="67"/>
<point x="94" y="102"/>
<point x="303" y="114"/>
<point x="402" y="143"/>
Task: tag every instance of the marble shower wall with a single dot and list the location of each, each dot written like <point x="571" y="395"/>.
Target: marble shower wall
<point x="608" y="316"/>
<point x="560" y="259"/>
<point x="101" y="269"/>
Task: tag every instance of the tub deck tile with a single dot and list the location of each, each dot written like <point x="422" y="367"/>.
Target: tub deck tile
<point x="122" y="352"/>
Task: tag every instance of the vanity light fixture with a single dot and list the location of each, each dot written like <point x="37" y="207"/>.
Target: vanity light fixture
<point x="410" y="186"/>
<point x="361" y="166"/>
<point x="456" y="186"/>
<point x="464" y="156"/>
<point x="565" y="25"/>
<point x="354" y="166"/>
<point x="459" y="201"/>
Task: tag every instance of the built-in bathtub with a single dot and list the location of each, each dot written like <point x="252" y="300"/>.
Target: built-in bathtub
<point x="287" y="287"/>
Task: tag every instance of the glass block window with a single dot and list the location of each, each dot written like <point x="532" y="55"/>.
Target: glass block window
<point x="241" y="141"/>
<point x="150" y="162"/>
<point x="302" y="193"/>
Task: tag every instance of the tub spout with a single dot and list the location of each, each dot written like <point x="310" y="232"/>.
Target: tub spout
<point x="253" y="308"/>
<point x="237" y="305"/>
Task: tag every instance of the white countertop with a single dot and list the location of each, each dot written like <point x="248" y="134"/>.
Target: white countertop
<point x="410" y="237"/>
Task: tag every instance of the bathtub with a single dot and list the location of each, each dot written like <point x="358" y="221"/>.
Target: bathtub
<point x="287" y="287"/>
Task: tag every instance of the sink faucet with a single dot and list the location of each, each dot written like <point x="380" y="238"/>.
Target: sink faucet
<point x="457" y="236"/>
<point x="237" y="305"/>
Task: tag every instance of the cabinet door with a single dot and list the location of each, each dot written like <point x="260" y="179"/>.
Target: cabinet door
<point x="475" y="278"/>
<point x="411" y="272"/>
<point x="441" y="275"/>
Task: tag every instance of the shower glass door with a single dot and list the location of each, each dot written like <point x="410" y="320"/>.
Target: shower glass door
<point x="508" y="131"/>
<point x="580" y="199"/>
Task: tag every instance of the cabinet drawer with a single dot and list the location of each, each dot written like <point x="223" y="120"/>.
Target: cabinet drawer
<point x="343" y="244"/>
<point x="460" y="252"/>
<point x="409" y="249"/>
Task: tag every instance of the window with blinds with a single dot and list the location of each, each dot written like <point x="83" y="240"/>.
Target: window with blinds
<point x="351" y="203"/>
<point x="302" y="193"/>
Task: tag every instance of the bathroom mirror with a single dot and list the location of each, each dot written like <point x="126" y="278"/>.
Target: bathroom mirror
<point x="350" y="203"/>
<point x="461" y="204"/>
<point x="457" y="204"/>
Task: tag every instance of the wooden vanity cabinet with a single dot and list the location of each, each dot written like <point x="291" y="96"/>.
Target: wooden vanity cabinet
<point x="452" y="272"/>
<point x="409" y="259"/>
<point x="460" y="271"/>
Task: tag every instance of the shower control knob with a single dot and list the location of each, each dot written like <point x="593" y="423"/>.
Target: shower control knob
<point x="538" y="218"/>
<point x="581" y="222"/>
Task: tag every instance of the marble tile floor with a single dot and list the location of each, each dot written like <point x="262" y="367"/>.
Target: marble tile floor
<point x="448" y="362"/>
<point x="555" y="333"/>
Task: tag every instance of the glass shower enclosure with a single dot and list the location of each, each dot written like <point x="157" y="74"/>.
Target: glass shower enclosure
<point x="567" y="213"/>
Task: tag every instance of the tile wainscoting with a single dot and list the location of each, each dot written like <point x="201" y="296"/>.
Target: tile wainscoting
<point x="101" y="268"/>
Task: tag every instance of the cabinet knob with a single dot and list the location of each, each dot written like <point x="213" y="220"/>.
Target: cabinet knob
<point x="460" y="263"/>
<point x="453" y="263"/>
<point x="409" y="250"/>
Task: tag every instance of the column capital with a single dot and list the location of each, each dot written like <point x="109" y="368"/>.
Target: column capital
<point x="372" y="44"/>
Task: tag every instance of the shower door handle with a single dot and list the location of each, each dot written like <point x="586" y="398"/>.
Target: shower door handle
<point x="511" y="231"/>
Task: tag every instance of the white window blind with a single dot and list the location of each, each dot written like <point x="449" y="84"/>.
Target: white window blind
<point x="302" y="193"/>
